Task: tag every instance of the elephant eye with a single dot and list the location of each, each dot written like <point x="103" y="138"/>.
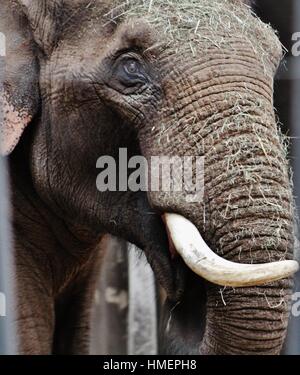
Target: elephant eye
<point x="131" y="67"/>
<point x="131" y="72"/>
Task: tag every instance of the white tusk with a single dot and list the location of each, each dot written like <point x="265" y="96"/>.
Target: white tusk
<point x="205" y="263"/>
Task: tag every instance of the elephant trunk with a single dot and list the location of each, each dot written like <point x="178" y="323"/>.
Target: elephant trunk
<point x="250" y="216"/>
<point x="224" y="113"/>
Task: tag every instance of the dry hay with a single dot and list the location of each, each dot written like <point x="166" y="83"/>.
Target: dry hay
<point x="202" y="24"/>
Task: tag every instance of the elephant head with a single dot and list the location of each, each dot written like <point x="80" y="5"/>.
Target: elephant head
<point x="166" y="79"/>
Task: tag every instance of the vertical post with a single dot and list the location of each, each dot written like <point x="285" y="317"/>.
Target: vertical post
<point x="7" y="329"/>
<point x="7" y="334"/>
<point x="142" y="316"/>
<point x="110" y="312"/>
<point x="124" y="318"/>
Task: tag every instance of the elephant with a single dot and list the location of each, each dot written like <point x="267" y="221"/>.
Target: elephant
<point x="86" y="78"/>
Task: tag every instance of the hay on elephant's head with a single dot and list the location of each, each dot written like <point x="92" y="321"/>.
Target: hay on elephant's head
<point x="202" y="24"/>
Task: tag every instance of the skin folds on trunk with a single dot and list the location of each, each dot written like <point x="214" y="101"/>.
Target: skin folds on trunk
<point x="219" y="104"/>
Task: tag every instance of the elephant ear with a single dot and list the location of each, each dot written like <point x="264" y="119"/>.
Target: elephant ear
<point x="28" y="29"/>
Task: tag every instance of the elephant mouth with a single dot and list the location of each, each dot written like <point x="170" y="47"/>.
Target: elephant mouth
<point x="186" y="240"/>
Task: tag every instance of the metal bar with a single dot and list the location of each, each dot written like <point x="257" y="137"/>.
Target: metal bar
<point x="8" y="339"/>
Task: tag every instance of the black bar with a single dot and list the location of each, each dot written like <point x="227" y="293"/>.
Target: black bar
<point x="149" y="364"/>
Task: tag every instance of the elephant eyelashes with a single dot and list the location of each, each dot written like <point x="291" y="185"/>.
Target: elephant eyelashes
<point x="130" y="72"/>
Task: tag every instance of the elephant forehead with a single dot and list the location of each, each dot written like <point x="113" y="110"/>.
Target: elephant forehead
<point x="198" y="25"/>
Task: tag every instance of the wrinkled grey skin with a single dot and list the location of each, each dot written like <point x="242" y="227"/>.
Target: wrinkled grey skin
<point x="65" y="72"/>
